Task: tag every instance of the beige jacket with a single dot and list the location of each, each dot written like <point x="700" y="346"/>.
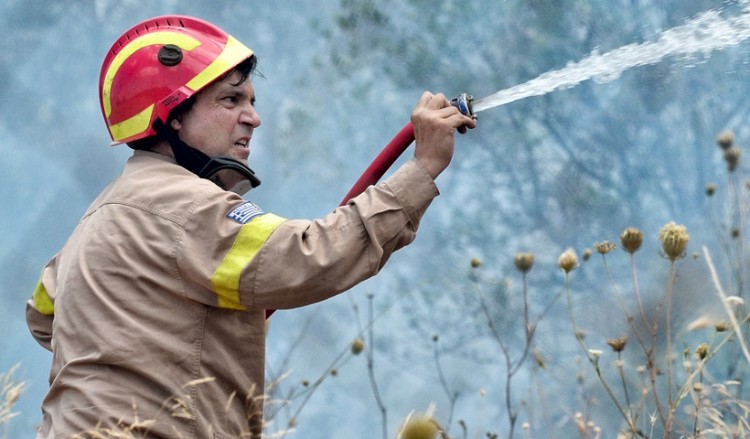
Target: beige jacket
<point x="154" y="309"/>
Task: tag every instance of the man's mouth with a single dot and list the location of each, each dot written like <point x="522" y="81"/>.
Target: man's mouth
<point x="242" y="142"/>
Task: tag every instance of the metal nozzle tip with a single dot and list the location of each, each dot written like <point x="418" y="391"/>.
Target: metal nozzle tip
<point x="463" y="103"/>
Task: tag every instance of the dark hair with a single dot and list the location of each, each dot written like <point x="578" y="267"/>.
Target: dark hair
<point x="246" y="68"/>
<point x="145" y="144"/>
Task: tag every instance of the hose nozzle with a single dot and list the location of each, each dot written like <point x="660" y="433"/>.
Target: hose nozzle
<point x="463" y="103"/>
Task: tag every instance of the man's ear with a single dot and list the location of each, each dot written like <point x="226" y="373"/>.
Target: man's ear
<point x="176" y="124"/>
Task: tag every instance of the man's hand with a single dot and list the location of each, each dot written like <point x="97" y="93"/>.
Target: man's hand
<point x="435" y="122"/>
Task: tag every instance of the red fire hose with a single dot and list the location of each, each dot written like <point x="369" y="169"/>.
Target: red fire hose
<point x="382" y="162"/>
<point x="379" y="166"/>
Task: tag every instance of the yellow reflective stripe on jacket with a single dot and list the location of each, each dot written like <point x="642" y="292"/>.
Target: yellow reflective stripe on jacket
<point x="226" y="278"/>
<point x="42" y="301"/>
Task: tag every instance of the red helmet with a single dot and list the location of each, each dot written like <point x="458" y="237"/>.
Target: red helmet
<point x="158" y="64"/>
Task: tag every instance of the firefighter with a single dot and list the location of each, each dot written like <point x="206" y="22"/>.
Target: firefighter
<point x="155" y="307"/>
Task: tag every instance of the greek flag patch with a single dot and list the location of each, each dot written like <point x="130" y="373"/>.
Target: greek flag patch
<point x="245" y="212"/>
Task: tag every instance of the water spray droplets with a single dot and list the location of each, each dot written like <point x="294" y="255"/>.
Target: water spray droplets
<point x="694" y="41"/>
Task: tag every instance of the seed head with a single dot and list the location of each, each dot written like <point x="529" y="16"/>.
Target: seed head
<point x="539" y="358"/>
<point x="421" y="427"/>
<point x="618" y="344"/>
<point x="674" y="239"/>
<point x="586" y="255"/>
<point x="524" y="261"/>
<point x="358" y="345"/>
<point x="604" y="247"/>
<point x="732" y="157"/>
<point x="580" y="422"/>
<point x="734" y="301"/>
<point x="631" y="239"/>
<point x="568" y="260"/>
<point x="580" y="334"/>
<point x="710" y="189"/>
<point x="725" y="139"/>
<point x="702" y="351"/>
<point x="722" y="326"/>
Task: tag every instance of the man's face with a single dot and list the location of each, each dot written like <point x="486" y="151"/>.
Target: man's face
<point x="222" y="120"/>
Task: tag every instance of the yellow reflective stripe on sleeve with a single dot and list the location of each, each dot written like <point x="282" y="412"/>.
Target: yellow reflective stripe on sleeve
<point x="226" y="278"/>
<point x="42" y="301"/>
<point x="234" y="53"/>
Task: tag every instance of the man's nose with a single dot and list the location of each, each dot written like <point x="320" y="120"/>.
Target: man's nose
<point x="250" y="116"/>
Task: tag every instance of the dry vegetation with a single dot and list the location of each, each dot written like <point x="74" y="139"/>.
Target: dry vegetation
<point x="662" y="386"/>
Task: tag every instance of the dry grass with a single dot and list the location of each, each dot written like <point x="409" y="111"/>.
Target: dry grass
<point x="10" y="390"/>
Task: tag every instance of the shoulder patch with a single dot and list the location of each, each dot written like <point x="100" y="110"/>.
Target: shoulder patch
<point x="245" y="212"/>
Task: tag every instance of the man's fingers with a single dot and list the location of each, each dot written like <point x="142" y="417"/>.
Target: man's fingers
<point x="426" y="96"/>
<point x="442" y="109"/>
<point x="433" y="101"/>
<point x="456" y="118"/>
<point x="440" y="101"/>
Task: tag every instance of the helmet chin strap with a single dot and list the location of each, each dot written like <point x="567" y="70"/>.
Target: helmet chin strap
<point x="228" y="173"/>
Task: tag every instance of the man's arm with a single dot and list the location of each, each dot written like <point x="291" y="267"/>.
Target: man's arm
<point x="303" y="262"/>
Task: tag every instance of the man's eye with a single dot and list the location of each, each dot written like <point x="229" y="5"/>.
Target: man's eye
<point x="232" y="99"/>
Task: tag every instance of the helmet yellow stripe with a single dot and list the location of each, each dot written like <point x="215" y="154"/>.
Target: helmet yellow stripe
<point x="234" y="53"/>
<point x="185" y="42"/>
<point x="132" y="126"/>
<point x="226" y="278"/>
